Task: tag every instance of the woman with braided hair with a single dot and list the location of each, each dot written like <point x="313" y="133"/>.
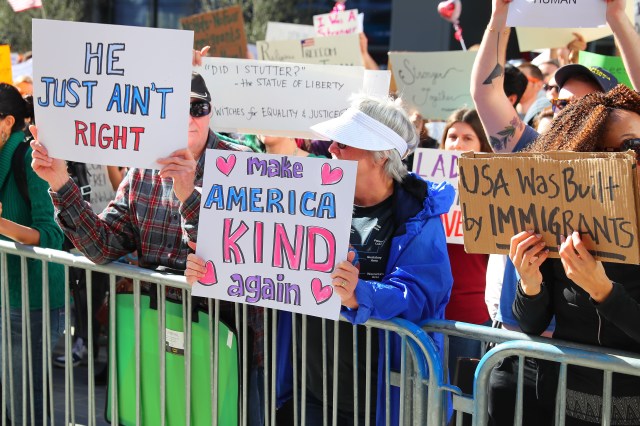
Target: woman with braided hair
<point x="593" y="302"/>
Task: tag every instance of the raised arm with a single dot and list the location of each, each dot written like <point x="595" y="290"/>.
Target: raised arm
<point x="627" y="39"/>
<point x="499" y="118"/>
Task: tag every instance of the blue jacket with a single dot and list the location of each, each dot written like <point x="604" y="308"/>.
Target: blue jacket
<point x="417" y="283"/>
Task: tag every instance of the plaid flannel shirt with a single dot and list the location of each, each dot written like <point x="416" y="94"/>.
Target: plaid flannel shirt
<point x="147" y="217"/>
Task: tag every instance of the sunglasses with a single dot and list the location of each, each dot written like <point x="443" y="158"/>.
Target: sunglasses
<point x="341" y="145"/>
<point x="627" y="144"/>
<point x="199" y="109"/>
<point x="559" y="104"/>
<point x="548" y="87"/>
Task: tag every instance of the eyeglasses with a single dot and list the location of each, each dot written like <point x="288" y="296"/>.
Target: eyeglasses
<point x="341" y="145"/>
<point x="558" y="105"/>
<point x="548" y="87"/>
<point x="627" y="144"/>
<point x="199" y="109"/>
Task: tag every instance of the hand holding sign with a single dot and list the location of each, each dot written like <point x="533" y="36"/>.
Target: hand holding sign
<point x="528" y="252"/>
<point x="345" y="279"/>
<point x="52" y="170"/>
<point x="181" y="167"/>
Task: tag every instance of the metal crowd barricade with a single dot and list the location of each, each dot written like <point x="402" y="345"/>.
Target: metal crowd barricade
<point x="419" y="381"/>
<point x="513" y="343"/>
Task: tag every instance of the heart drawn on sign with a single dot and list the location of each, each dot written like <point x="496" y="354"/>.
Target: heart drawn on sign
<point x="330" y="176"/>
<point x="210" y="277"/>
<point x="320" y="293"/>
<point x="226" y="165"/>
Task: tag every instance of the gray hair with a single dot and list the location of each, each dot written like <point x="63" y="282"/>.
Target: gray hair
<point x="392" y="114"/>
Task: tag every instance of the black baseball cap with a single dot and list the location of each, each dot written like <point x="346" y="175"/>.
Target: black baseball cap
<point x="603" y="78"/>
<point x="199" y="88"/>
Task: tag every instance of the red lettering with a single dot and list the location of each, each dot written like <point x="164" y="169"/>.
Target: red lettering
<point x="458" y="214"/>
<point x="107" y="136"/>
<point x="81" y="127"/>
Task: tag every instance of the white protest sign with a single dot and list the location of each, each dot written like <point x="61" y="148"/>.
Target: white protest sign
<point x="101" y="189"/>
<point x="333" y="50"/>
<point x="277" y="98"/>
<point x="285" y="31"/>
<point x="557" y="13"/>
<point x="437" y="165"/>
<point x="436" y="83"/>
<point x="377" y="82"/>
<point x="338" y="23"/>
<point x="114" y="98"/>
<point x="23" y="68"/>
<point x="273" y="228"/>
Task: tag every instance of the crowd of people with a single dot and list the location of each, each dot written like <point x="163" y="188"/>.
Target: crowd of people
<point x="399" y="263"/>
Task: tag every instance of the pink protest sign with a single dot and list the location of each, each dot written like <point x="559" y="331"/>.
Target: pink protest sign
<point x="272" y="228"/>
<point x="437" y="165"/>
<point x="338" y="23"/>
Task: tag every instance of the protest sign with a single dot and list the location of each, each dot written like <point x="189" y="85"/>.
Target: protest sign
<point x="377" y="82"/>
<point x="557" y="13"/>
<point x="613" y="64"/>
<point x="436" y="83"/>
<point x="23" y="68"/>
<point x="101" y="189"/>
<point x="285" y="31"/>
<point x="438" y="165"/>
<point x="222" y="29"/>
<point x="333" y="50"/>
<point x="115" y="99"/>
<point x="273" y="228"/>
<point x="6" y="75"/>
<point x="554" y="194"/>
<point x="544" y="38"/>
<point x="338" y="23"/>
<point x="277" y="98"/>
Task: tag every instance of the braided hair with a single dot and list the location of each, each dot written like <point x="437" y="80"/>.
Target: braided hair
<point x="581" y="125"/>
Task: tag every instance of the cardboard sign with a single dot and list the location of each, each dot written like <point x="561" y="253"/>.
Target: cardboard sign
<point x="338" y="23"/>
<point x="553" y="193"/>
<point x="438" y="165"/>
<point x="557" y="13"/>
<point x="101" y="189"/>
<point x="6" y="75"/>
<point x="334" y="50"/>
<point x="222" y="29"/>
<point x="613" y="64"/>
<point x="544" y="38"/>
<point x="277" y="98"/>
<point x="436" y="83"/>
<point x="286" y="31"/>
<point x="273" y="228"/>
<point x="115" y="99"/>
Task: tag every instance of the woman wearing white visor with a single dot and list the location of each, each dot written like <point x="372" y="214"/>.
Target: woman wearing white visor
<point x="403" y="266"/>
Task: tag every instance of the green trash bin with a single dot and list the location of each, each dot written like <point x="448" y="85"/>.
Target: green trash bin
<point x="175" y="402"/>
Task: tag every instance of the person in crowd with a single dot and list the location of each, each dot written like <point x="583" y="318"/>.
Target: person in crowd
<point x="403" y="271"/>
<point x="533" y="100"/>
<point x="506" y="131"/>
<point x="424" y="140"/>
<point x="548" y="69"/>
<point x="26" y="217"/>
<point x="463" y="132"/>
<point x="596" y="303"/>
<point x="283" y="145"/>
<point x="542" y="121"/>
<point x="166" y="205"/>
<point x="514" y="85"/>
<point x="24" y="84"/>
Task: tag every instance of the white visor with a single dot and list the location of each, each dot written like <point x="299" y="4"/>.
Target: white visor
<point x="355" y="128"/>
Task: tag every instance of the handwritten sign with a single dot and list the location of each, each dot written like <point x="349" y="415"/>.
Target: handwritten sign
<point x="377" y="82"/>
<point x="333" y="50"/>
<point x="338" y="23"/>
<point x="286" y="31"/>
<point x="273" y="228"/>
<point x="613" y="64"/>
<point x="277" y="98"/>
<point x="557" y="13"/>
<point x="101" y="189"/>
<point x="115" y="99"/>
<point x="6" y="75"/>
<point x="436" y="83"/>
<point x="438" y="165"/>
<point x="553" y="193"/>
<point x="222" y="29"/>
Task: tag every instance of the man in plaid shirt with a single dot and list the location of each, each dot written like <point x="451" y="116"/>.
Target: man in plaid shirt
<point x="155" y="213"/>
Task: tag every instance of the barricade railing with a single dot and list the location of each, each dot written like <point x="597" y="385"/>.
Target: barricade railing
<point x="512" y="343"/>
<point x="419" y="380"/>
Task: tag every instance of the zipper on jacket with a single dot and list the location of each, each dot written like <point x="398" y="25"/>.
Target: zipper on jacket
<point x="599" y="326"/>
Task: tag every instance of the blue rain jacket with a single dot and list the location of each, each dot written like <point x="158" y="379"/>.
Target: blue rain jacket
<point x="416" y="286"/>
